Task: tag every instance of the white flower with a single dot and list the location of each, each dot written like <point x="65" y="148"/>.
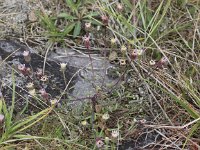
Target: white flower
<point x="105" y="116"/>
<point x="87" y="25"/>
<point x="113" y="40"/>
<point x="123" y="49"/>
<point x="122" y="62"/>
<point x="30" y="85"/>
<point x="98" y="28"/>
<point x="84" y="122"/>
<point x="115" y="133"/>
<point x="152" y="62"/>
<point x="63" y="66"/>
<point x="26" y="53"/>
<point x="107" y="139"/>
<point x="134" y="120"/>
<point x="32" y="92"/>
<point x="27" y="56"/>
<point x="54" y="102"/>
<point x="140" y="52"/>
<point x="44" y="78"/>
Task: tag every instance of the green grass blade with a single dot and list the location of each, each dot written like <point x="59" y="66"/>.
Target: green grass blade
<point x="154" y="26"/>
<point x="77" y="29"/>
<point x="183" y="103"/>
<point x="192" y="130"/>
<point x="66" y="16"/>
<point x="11" y="109"/>
<point x="20" y="124"/>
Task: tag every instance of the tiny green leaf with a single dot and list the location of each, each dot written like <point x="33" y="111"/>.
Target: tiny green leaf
<point x="77" y="29"/>
<point x="66" y="16"/>
<point x="92" y="14"/>
<point x="68" y="29"/>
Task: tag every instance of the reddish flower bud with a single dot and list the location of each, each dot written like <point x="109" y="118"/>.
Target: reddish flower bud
<point x="22" y="68"/>
<point x="134" y="54"/>
<point x="44" y="94"/>
<point x="86" y="40"/>
<point x="104" y="19"/>
<point x="162" y="62"/>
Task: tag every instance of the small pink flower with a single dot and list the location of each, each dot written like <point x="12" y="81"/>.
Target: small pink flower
<point x="134" y="54"/>
<point x="162" y="62"/>
<point x="104" y="19"/>
<point x="44" y="94"/>
<point x="143" y="121"/>
<point x="86" y="40"/>
<point x="119" y="7"/>
<point x="99" y="143"/>
<point x="22" y="68"/>
<point x="42" y="91"/>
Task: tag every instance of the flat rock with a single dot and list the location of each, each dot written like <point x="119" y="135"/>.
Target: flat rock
<point x="83" y="75"/>
<point x="92" y="71"/>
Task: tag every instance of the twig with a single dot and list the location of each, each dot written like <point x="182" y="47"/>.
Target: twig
<point x="45" y="58"/>
<point x="173" y="127"/>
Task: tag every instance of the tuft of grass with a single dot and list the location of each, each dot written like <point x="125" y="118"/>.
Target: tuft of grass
<point x="12" y="129"/>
